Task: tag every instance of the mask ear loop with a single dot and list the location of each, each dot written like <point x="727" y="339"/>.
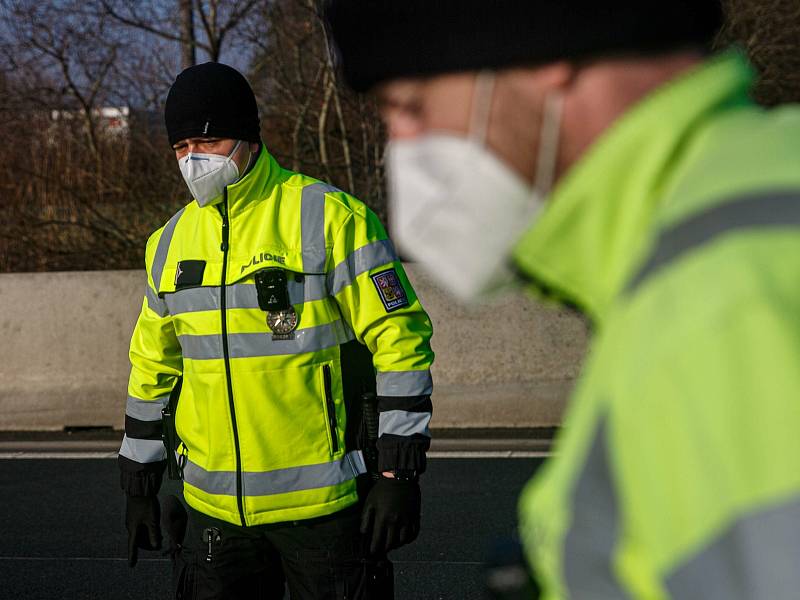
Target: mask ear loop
<point x="235" y="148"/>
<point x="247" y="166"/>
<point x="230" y="158"/>
<point x="545" y="165"/>
<point x="548" y="142"/>
<point x="481" y="106"/>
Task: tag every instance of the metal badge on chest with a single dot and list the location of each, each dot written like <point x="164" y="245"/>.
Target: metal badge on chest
<point x="273" y="297"/>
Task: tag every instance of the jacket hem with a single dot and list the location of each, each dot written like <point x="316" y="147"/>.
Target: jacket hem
<point x="299" y="513"/>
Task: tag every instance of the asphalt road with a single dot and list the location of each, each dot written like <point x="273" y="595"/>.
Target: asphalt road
<point x="62" y="534"/>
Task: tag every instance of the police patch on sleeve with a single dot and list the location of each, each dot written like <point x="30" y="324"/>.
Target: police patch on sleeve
<point x="390" y="290"/>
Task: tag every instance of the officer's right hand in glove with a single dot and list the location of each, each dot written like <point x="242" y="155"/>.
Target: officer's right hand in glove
<point x="142" y="515"/>
<point x="391" y="514"/>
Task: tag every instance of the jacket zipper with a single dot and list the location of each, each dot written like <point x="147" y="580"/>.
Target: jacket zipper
<point x="226" y="356"/>
<point x="331" y="408"/>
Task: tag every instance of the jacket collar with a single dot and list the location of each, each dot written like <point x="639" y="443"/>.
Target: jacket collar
<point x="583" y="247"/>
<point x="256" y="185"/>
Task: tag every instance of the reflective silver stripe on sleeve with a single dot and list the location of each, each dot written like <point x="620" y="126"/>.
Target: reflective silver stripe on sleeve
<point x="249" y="345"/>
<point x="160" y="258"/>
<point x="404" y="383"/>
<point x="143" y="451"/>
<point x="279" y="481"/>
<point x="242" y="295"/>
<point x="592" y="537"/>
<point x="154" y="303"/>
<point x="750" y="212"/>
<point x="312" y="226"/>
<point x="366" y="258"/>
<point x="145" y="410"/>
<point x="755" y="557"/>
<point x="402" y="422"/>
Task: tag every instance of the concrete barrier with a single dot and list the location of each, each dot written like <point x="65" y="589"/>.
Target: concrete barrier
<point x="64" y="363"/>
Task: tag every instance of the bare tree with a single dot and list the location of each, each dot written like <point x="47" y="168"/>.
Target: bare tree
<point x="188" y="41"/>
<point x="86" y="172"/>
<point x="218" y="20"/>
<point x="73" y="159"/>
<point x="312" y="123"/>
<point x="769" y="31"/>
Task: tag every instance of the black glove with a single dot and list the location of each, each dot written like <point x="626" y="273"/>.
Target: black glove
<point x="173" y="521"/>
<point x="142" y="514"/>
<point x="390" y="518"/>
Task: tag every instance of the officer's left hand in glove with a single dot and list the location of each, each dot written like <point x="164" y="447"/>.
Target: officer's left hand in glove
<point x="390" y="518"/>
<point x="142" y="515"/>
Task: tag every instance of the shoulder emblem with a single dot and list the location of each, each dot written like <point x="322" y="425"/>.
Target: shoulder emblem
<point x="390" y="290"/>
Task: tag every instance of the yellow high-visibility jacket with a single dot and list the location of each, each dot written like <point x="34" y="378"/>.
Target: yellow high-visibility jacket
<point x="262" y="417"/>
<point x="678" y="233"/>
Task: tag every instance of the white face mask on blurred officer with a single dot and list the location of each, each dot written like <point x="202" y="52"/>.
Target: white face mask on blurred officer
<point x="457" y="208"/>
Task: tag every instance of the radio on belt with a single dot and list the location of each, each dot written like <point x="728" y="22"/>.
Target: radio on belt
<point x="273" y="297"/>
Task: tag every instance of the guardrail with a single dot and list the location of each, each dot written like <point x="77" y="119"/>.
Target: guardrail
<point x="64" y="353"/>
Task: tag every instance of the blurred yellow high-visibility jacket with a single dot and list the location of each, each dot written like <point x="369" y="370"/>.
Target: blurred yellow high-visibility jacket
<point x="262" y="417"/>
<point x="678" y="233"/>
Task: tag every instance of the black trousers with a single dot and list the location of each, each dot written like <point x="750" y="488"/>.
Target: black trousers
<point x="317" y="559"/>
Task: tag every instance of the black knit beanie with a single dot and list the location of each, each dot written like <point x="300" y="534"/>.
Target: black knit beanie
<point x="385" y="39"/>
<point x="211" y="100"/>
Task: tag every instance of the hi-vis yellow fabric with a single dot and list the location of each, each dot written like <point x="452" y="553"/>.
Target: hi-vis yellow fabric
<point x="262" y="420"/>
<point x="679" y="235"/>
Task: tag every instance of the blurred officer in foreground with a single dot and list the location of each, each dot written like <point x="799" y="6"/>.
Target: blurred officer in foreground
<point x="261" y="295"/>
<point x="601" y="154"/>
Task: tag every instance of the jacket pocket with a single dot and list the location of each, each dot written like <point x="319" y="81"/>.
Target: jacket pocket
<point x="330" y="408"/>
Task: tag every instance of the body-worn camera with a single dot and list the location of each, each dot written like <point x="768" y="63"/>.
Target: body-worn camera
<point x="272" y="289"/>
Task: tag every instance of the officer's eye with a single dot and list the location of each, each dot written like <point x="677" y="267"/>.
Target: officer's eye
<point x="207" y="145"/>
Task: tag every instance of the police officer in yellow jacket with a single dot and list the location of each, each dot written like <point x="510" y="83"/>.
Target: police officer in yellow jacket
<point x="604" y="154"/>
<point x="260" y="294"/>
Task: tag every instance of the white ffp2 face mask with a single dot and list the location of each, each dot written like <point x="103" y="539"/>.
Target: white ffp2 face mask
<point x="207" y="175"/>
<point x="459" y="210"/>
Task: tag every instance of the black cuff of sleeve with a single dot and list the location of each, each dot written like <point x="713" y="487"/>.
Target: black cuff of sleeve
<point x="403" y="452"/>
<point x="409" y="403"/>
<point x="140" y="479"/>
